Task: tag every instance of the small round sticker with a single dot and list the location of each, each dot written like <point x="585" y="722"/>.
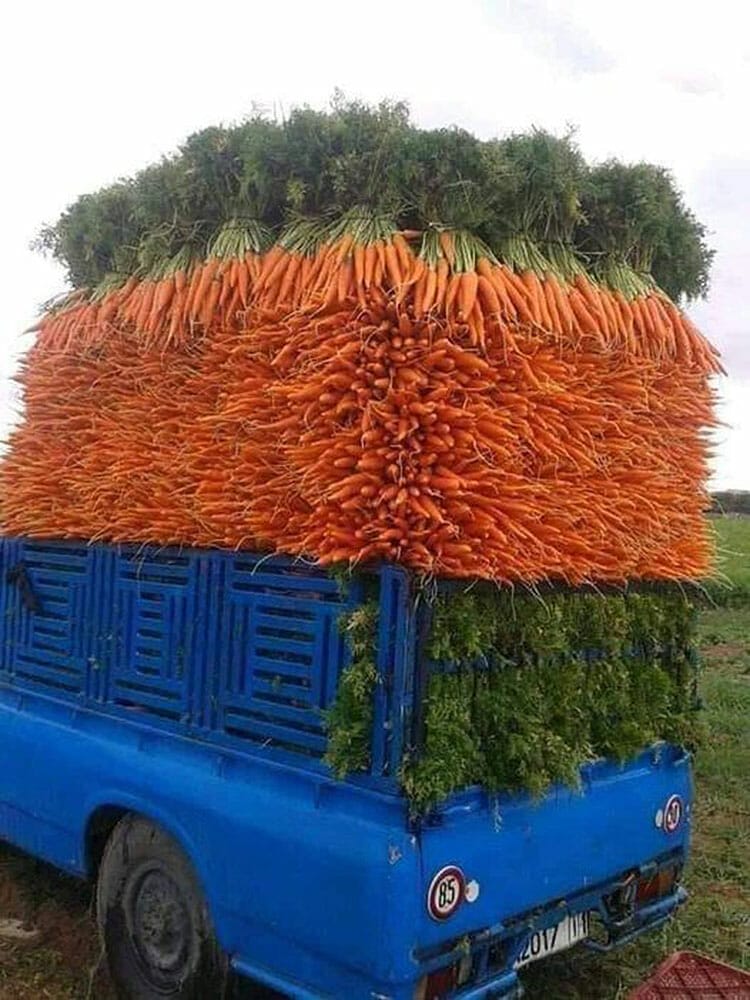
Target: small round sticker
<point x="446" y="892"/>
<point x="672" y="814"/>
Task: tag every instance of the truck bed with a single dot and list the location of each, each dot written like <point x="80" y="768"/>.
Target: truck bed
<point x="189" y="686"/>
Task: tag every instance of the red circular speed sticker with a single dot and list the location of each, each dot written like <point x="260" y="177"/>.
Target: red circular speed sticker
<point x="446" y="892"/>
<point x="672" y="814"/>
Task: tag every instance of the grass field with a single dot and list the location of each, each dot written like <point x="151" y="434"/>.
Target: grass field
<point x="64" y="961"/>
<point x="733" y="547"/>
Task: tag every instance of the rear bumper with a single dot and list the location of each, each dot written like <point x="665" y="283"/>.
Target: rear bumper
<point x="648" y="918"/>
<point x="504" y="983"/>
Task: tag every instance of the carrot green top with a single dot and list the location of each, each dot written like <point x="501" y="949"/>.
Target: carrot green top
<point x="531" y="198"/>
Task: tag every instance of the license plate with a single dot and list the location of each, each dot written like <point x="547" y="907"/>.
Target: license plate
<point x="571" y="929"/>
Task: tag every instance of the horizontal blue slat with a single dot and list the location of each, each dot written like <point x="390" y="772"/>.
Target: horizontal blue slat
<point x="282" y="668"/>
<point x="298" y="692"/>
<point x="66" y="563"/>
<point x="275" y="576"/>
<point x="301" y="629"/>
<point x="149" y="647"/>
<point x="143" y="701"/>
<point x="54" y="599"/>
<point x="51" y="586"/>
<point x="47" y="664"/>
<point x="161" y="685"/>
<point x="291" y="667"/>
<point x="260" y="729"/>
<point x="163" y="574"/>
<point x="256" y="582"/>
<point x="56" y="644"/>
<point x="50" y="683"/>
<point x="52" y="626"/>
<point x="280" y="710"/>
<point x="272" y="643"/>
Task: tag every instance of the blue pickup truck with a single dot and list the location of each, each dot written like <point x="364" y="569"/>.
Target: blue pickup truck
<point x="163" y="732"/>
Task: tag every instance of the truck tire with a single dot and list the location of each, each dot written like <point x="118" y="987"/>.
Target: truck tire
<point x="153" y="918"/>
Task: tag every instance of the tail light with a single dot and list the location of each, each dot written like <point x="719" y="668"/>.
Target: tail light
<point x="658" y="885"/>
<point x="440" y="983"/>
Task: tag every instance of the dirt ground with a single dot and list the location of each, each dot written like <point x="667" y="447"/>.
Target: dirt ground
<point x="61" y="958"/>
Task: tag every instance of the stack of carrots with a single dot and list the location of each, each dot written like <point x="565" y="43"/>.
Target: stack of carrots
<point x="363" y="393"/>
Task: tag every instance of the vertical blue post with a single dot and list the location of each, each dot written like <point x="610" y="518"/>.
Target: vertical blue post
<point x="11" y="607"/>
<point x="395" y="666"/>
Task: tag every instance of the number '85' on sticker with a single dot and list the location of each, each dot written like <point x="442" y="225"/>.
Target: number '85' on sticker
<point x="446" y="892"/>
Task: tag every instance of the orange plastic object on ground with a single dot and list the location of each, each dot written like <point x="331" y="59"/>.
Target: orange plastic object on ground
<point x="689" y="976"/>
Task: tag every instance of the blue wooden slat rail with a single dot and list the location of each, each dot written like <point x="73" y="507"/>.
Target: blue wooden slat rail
<point x="222" y="645"/>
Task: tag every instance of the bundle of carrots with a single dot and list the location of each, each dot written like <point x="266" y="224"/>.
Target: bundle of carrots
<point x="368" y="393"/>
<point x="453" y="277"/>
<point x="178" y="296"/>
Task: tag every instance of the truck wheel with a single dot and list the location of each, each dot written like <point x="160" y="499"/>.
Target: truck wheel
<point x="154" y="920"/>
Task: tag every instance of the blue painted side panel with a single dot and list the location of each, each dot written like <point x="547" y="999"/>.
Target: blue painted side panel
<point x="287" y="861"/>
<point x="190" y="685"/>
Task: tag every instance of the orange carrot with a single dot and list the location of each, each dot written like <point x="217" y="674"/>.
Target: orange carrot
<point x="451" y="292"/>
<point x="556" y="323"/>
<point x="562" y="303"/>
<point x="149" y="292"/>
<point x="420" y="289"/>
<point x="405" y="255"/>
<point x="430" y="288"/>
<point x="359" y="265"/>
<point x="517" y="296"/>
<point x="392" y="266"/>
<point x="286" y="284"/>
<point x="531" y="284"/>
<point x="345" y="276"/>
<point x="243" y="282"/>
<point x="442" y="271"/>
<point x="344" y="248"/>
<point x="270" y="260"/>
<point x="467" y="293"/>
<point x="209" y="269"/>
<point x="488" y="297"/>
<point x="369" y="265"/>
<point x="210" y="303"/>
<point x="546" y="318"/>
<point x="580" y="310"/>
<point x="447" y="246"/>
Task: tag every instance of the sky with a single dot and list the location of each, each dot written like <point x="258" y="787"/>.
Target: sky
<point x="92" y="92"/>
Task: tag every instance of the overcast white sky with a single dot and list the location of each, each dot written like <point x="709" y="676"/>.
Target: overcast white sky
<point x="93" y="91"/>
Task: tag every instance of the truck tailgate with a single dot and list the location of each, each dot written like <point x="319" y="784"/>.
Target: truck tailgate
<point x="525" y="854"/>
